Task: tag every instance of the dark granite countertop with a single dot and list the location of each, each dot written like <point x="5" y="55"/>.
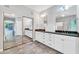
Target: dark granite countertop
<point x="28" y="29"/>
<point x="62" y="33"/>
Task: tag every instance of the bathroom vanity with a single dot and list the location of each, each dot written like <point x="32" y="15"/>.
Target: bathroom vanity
<point x="67" y="44"/>
<point x="61" y="30"/>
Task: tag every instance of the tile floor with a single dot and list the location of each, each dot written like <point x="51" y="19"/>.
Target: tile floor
<point x="31" y="47"/>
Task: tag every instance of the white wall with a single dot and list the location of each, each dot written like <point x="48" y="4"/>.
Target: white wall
<point x="1" y="30"/>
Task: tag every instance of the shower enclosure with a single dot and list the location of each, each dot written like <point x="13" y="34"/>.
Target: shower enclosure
<point x="17" y="30"/>
<point x="11" y="36"/>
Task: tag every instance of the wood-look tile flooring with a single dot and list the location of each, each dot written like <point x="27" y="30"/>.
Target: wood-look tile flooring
<point x="30" y="47"/>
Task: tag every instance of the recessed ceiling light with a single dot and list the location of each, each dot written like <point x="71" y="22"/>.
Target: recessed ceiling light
<point x="63" y="15"/>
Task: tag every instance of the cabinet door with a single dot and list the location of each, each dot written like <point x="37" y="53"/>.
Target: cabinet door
<point x="52" y="40"/>
<point x="47" y="39"/>
<point x="59" y="43"/>
<point x="39" y="36"/>
<point x="70" y="45"/>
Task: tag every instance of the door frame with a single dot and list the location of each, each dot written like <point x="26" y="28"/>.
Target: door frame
<point x="23" y="25"/>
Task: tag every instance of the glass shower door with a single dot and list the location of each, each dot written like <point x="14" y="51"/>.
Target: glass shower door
<point x="9" y="33"/>
<point x="12" y="31"/>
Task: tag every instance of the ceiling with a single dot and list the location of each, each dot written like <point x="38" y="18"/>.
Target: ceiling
<point x="39" y="8"/>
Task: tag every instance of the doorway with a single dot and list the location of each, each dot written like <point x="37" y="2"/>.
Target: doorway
<point x="27" y="28"/>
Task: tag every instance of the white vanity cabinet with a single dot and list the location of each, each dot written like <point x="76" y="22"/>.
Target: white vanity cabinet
<point x="59" y="41"/>
<point x="51" y="41"/>
<point x="28" y="33"/>
<point x="62" y="43"/>
<point x="45" y="38"/>
<point x="39" y="36"/>
<point x="67" y="44"/>
<point x="70" y="45"/>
